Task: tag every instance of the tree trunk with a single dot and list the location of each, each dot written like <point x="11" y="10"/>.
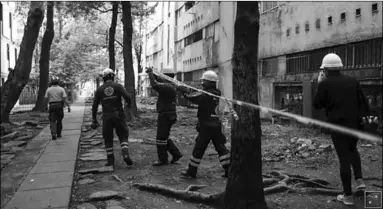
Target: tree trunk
<point x="18" y="78"/>
<point x="112" y="34"/>
<point x="244" y="188"/>
<point x="44" y="58"/>
<point x="138" y="51"/>
<point x="60" y="18"/>
<point x="128" y="59"/>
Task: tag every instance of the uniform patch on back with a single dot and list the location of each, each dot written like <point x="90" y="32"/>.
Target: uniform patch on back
<point x="108" y="91"/>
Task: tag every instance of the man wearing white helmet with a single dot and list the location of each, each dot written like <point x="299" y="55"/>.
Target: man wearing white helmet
<point x="209" y="124"/>
<point x="110" y="95"/>
<point x="345" y="104"/>
<point x="56" y="97"/>
<point x="167" y="116"/>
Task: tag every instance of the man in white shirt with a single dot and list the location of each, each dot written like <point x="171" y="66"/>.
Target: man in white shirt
<point x="56" y="96"/>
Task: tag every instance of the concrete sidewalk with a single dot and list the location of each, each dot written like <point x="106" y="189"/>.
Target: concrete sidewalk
<point x="49" y="182"/>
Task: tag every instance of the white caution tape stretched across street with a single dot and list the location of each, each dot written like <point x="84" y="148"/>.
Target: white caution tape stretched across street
<point x="304" y="120"/>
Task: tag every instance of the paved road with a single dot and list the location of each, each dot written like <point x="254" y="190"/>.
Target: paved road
<point x="49" y="182"/>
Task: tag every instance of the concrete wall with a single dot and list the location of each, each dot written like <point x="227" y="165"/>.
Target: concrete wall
<point x="273" y="40"/>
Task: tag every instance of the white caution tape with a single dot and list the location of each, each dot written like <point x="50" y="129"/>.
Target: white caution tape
<point x="305" y="120"/>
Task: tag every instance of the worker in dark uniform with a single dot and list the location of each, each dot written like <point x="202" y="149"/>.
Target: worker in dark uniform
<point x="110" y="95"/>
<point x="345" y="105"/>
<point x="209" y="126"/>
<point x="167" y="116"/>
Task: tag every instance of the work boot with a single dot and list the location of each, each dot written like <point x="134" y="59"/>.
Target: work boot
<point x="189" y="174"/>
<point x="175" y="159"/>
<point x="59" y="136"/>
<point x="174" y="151"/>
<point x="126" y="157"/>
<point x="360" y="184"/>
<point x="54" y="137"/>
<point x="346" y="199"/>
<point x="110" y="160"/>
<point x="160" y="163"/>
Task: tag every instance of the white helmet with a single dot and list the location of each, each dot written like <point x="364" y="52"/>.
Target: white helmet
<point x="331" y="61"/>
<point x="107" y="71"/>
<point x="210" y="75"/>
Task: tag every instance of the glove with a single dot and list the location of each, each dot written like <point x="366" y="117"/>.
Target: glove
<point x="321" y="76"/>
<point x="182" y="89"/>
<point x="149" y="70"/>
<point x="94" y="124"/>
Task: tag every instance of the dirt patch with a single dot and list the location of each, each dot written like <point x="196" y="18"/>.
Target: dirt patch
<point x="320" y="162"/>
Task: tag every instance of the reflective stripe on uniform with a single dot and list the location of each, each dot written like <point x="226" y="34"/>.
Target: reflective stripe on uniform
<point x="195" y="159"/>
<point x="161" y="142"/>
<point x="224" y="157"/>
<point x="124" y="145"/>
<point x="109" y="149"/>
<point x="109" y="152"/>
<point x="193" y="164"/>
<point x="225" y="162"/>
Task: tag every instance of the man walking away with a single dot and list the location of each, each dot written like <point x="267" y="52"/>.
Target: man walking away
<point x="167" y="116"/>
<point x="209" y="125"/>
<point x="345" y="105"/>
<point x="110" y="96"/>
<point x="55" y="96"/>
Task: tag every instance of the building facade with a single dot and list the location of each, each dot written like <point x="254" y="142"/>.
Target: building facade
<point x="191" y="37"/>
<point x="11" y="30"/>
<point x="295" y="36"/>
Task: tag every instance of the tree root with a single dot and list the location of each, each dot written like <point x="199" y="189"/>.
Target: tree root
<point x="274" y="182"/>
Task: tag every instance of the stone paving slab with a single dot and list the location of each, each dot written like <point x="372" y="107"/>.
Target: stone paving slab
<point x="73" y="126"/>
<point x="53" y="167"/>
<point x="58" y="157"/>
<point x="65" y="133"/>
<point x="41" y="199"/>
<point x="47" y="180"/>
<point x="62" y="145"/>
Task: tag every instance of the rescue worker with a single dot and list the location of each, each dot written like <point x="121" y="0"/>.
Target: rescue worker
<point x="345" y="104"/>
<point x="209" y="126"/>
<point x="110" y="96"/>
<point x="167" y="116"/>
<point x="55" y="97"/>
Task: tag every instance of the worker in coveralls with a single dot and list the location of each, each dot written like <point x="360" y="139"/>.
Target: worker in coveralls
<point x="209" y="126"/>
<point x="167" y="116"/>
<point x="55" y="97"/>
<point x="345" y="105"/>
<point x="110" y="95"/>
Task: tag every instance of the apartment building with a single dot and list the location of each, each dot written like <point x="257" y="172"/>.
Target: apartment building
<point x="295" y="36"/>
<point x="190" y="37"/>
<point x="10" y="37"/>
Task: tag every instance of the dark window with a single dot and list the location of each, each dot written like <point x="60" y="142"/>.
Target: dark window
<point x="197" y="36"/>
<point x="297" y="63"/>
<point x="343" y="16"/>
<point x="10" y="20"/>
<point x="288" y="32"/>
<point x="307" y="27"/>
<point x="357" y="12"/>
<point x="317" y="23"/>
<point x="374" y="7"/>
<point x="2" y="81"/>
<point x="270" y="66"/>
<point x="329" y="20"/>
<point x="1" y="11"/>
<point x="297" y="29"/>
<point x="189" y="5"/>
<point x="8" y="52"/>
<point x="15" y="54"/>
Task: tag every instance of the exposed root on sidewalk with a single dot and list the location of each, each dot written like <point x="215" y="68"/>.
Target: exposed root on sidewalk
<point x="273" y="183"/>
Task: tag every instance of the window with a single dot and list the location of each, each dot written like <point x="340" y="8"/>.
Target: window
<point x="317" y="23"/>
<point x="269" y="66"/>
<point x="189" y="5"/>
<point x="357" y="12"/>
<point x="343" y="16"/>
<point x="307" y="27"/>
<point x="297" y="63"/>
<point x="374" y="7"/>
<point x="8" y="52"/>
<point x="197" y="36"/>
<point x="288" y="32"/>
<point x="268" y="5"/>
<point x="209" y="31"/>
<point x="10" y="20"/>
<point x="2" y="81"/>
<point x="168" y="55"/>
<point x="297" y="29"/>
<point x="329" y="20"/>
<point x="15" y="54"/>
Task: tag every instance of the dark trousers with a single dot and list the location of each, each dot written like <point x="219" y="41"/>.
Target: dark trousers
<point x="347" y="151"/>
<point x="56" y="115"/>
<point x="210" y="130"/>
<point x="111" y="121"/>
<point x="164" y="144"/>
